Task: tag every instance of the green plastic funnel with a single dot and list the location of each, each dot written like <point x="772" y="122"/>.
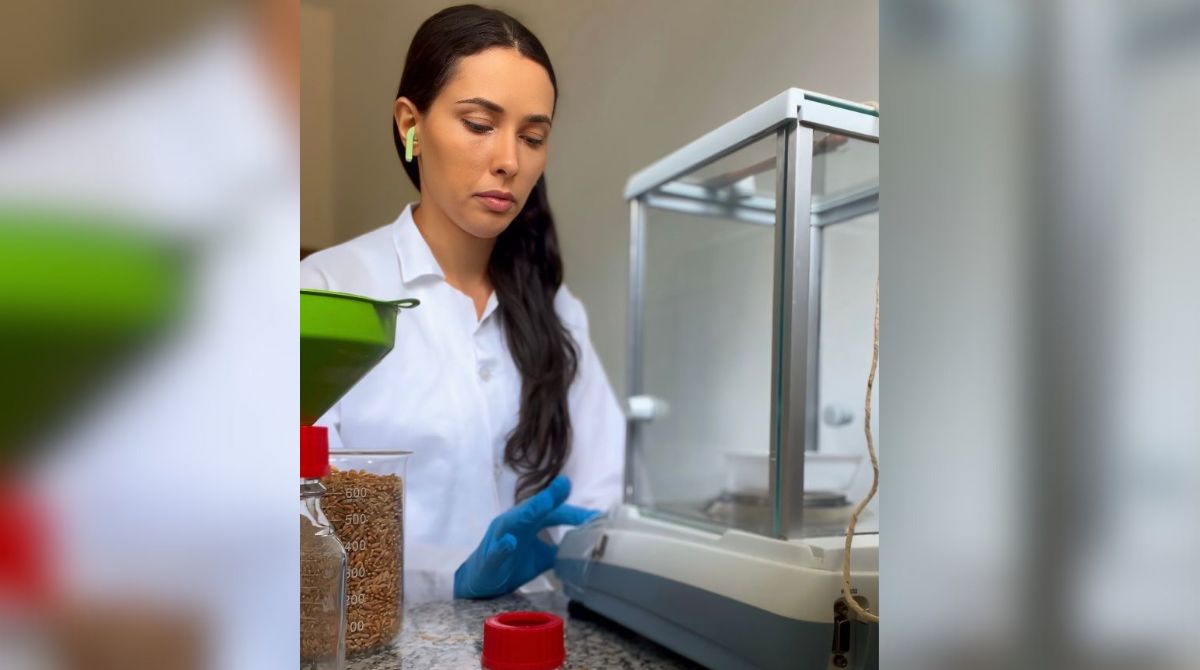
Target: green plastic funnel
<point x="342" y="336"/>
<point x="82" y="297"/>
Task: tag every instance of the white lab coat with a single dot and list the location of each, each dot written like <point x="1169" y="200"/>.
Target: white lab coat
<point x="450" y="393"/>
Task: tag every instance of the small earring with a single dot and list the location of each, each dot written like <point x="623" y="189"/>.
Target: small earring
<point x="408" y="144"/>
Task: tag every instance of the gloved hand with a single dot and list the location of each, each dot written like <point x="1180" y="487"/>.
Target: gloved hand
<point x="511" y="553"/>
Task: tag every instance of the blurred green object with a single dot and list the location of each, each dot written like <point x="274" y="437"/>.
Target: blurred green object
<point x="342" y="336"/>
<point x="81" y="295"/>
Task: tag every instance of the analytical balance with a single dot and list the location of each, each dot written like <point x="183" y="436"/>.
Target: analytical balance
<point x="754" y="257"/>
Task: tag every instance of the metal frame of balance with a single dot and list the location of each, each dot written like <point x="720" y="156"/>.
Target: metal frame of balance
<point x="719" y="550"/>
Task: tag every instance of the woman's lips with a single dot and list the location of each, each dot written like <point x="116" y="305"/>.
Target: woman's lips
<point x="496" y="204"/>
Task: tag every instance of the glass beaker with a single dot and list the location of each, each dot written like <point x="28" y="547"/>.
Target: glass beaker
<point x="365" y="504"/>
<point x="322" y="563"/>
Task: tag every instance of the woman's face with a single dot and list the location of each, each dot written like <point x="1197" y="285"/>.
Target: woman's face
<point x="482" y="143"/>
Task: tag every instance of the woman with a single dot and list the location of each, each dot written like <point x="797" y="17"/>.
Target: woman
<point x="494" y="384"/>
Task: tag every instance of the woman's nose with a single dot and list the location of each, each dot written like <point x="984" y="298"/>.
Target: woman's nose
<point x="504" y="161"/>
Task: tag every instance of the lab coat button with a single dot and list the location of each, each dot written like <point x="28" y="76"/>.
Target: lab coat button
<point x="485" y="372"/>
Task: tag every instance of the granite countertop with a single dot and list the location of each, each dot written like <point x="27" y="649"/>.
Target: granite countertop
<point x="449" y="636"/>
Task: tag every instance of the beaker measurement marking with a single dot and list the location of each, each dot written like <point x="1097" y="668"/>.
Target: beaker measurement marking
<point x="356" y="599"/>
<point x="356" y="573"/>
<point x="319" y="571"/>
<point x="356" y="519"/>
<point x="356" y="626"/>
<point x="356" y="545"/>
<point x="355" y="493"/>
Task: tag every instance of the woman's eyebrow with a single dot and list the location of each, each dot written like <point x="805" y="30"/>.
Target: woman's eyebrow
<point x="497" y="109"/>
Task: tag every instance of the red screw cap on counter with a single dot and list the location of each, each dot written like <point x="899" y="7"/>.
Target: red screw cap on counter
<point x="314" y="452"/>
<point x="523" y="641"/>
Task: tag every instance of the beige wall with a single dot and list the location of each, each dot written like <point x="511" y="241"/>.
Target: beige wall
<point x="638" y="79"/>
<point x="316" y="110"/>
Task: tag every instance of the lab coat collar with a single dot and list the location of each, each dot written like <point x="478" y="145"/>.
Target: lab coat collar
<point x="416" y="258"/>
<point x="492" y="304"/>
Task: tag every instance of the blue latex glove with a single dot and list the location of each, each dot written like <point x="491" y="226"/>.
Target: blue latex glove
<point x="511" y="553"/>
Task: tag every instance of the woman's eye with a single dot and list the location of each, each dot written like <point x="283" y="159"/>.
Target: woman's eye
<point x="476" y="128"/>
<point x="482" y="129"/>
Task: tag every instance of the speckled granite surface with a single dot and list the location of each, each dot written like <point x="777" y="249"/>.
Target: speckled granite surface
<point x="449" y="636"/>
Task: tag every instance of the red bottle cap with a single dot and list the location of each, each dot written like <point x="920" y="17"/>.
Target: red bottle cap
<point x="26" y="569"/>
<point x="523" y="641"/>
<point x="314" y="452"/>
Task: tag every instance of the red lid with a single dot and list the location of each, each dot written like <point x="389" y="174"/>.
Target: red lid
<point x="26" y="570"/>
<point x="523" y="641"/>
<point x="314" y="452"/>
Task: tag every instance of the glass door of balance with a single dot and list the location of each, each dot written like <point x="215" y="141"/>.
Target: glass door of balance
<point x="706" y="314"/>
<point x="706" y="323"/>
